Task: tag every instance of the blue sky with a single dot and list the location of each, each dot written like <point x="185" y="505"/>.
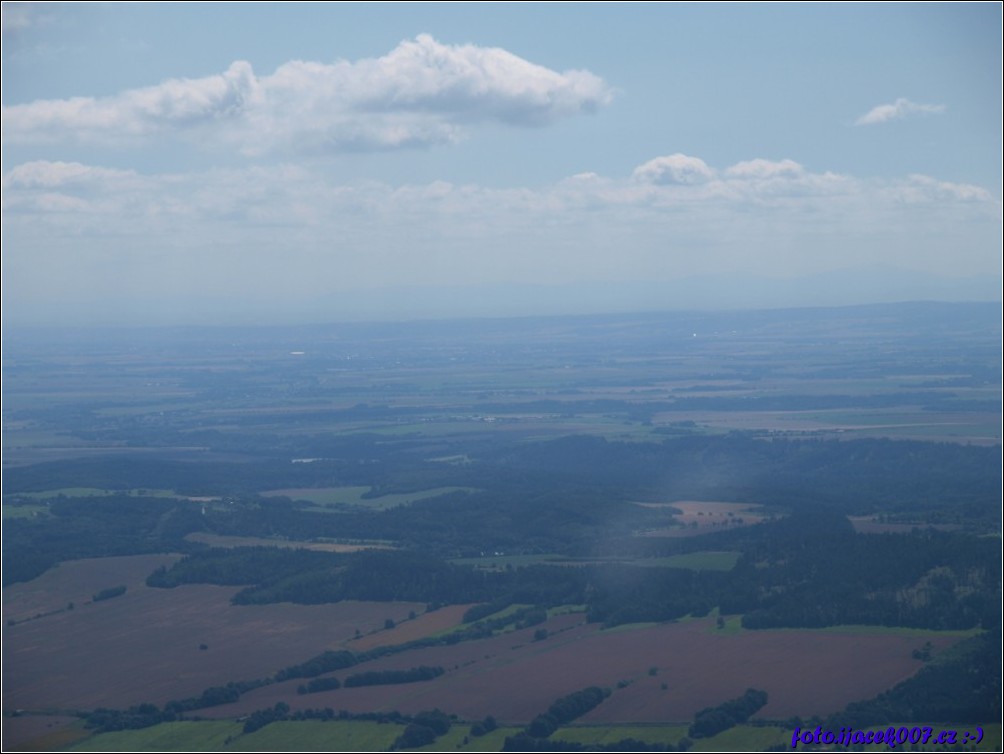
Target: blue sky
<point x="187" y="163"/>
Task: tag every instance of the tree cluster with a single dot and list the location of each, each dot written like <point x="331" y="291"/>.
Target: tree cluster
<point x="424" y="729"/>
<point x="713" y="720"/>
<point x="316" y="685"/>
<point x="566" y="709"/>
<point x="389" y="677"/>
<point x="109" y="593"/>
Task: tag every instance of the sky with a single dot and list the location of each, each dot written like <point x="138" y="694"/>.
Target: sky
<point x="200" y="163"/>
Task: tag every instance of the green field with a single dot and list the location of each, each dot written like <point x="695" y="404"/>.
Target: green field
<point x="67" y="492"/>
<point x="224" y="735"/>
<point x="94" y="492"/>
<point x="706" y="560"/>
<point x="304" y="735"/>
<point x="460" y="732"/>
<point x="744" y="738"/>
<point x="318" y="735"/>
<point x="210" y="735"/>
<point x="330" y="496"/>
<point x="24" y="511"/>
<point x="607" y="734"/>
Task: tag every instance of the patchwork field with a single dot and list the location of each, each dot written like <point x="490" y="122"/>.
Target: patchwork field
<point x="307" y="735"/>
<point x="212" y="735"/>
<point x="514" y="677"/>
<point x="145" y="645"/>
<point x="532" y="433"/>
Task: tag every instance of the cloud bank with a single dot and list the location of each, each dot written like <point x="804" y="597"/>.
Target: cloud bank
<point x="422" y="93"/>
<point x="282" y="230"/>
<point x="901" y="108"/>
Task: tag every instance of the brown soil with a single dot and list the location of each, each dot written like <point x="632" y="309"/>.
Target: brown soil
<point x="424" y="625"/>
<point x="514" y="678"/>
<point x="145" y="645"/>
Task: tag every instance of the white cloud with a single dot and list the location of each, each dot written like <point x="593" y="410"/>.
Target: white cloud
<point x="289" y="230"/>
<point x="45" y="174"/>
<point x="174" y="104"/>
<point x="419" y="94"/>
<point x="676" y="168"/>
<point x="901" y="108"/>
<point x="760" y="168"/>
<point x="922" y="187"/>
<point x="471" y="82"/>
<point x="289" y="193"/>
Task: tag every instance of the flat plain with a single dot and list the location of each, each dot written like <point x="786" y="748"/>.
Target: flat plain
<point x="653" y="504"/>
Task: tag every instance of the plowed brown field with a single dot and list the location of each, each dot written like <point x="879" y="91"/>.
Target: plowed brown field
<point x="145" y="646"/>
<point x="514" y="678"/>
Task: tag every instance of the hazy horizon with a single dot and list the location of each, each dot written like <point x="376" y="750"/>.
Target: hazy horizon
<point x="490" y="303"/>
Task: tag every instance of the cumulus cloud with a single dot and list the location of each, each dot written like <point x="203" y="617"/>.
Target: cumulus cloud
<point x="760" y="168"/>
<point x="683" y="179"/>
<point x="674" y="169"/>
<point x="283" y="199"/>
<point x="901" y="108"/>
<point x="421" y="93"/>
<point x="290" y="193"/>
<point x="470" y="82"/>
<point x="923" y="187"/>
<point x="174" y="104"/>
<point x="374" y="233"/>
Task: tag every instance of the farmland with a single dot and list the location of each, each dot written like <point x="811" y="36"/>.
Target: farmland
<point x="218" y="540"/>
<point x="689" y="517"/>
<point x="198" y="523"/>
<point x="146" y="644"/>
<point x="692" y="660"/>
<point x="361" y="496"/>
